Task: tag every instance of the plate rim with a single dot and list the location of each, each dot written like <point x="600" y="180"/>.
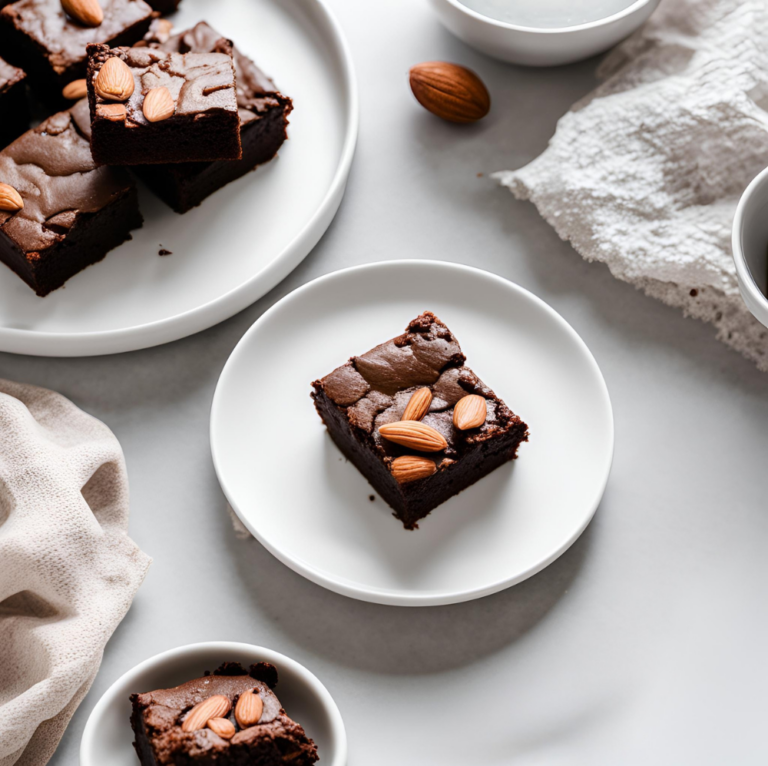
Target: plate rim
<point x="90" y="732"/>
<point x="392" y="597"/>
<point x="192" y="321"/>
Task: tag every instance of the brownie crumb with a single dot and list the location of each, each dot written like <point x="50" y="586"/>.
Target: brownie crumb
<point x="163" y="251"/>
<point x="371" y="497"/>
<point x="479" y="175"/>
<point x="694" y="292"/>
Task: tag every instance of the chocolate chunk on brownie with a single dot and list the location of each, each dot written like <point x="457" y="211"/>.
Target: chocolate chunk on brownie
<point x="247" y="723"/>
<point x="203" y="123"/>
<point x="263" y="112"/>
<point x="73" y="213"/>
<point x="42" y="39"/>
<point x="457" y="430"/>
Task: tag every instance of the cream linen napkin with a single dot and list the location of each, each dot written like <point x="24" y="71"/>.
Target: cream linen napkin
<point x="644" y="174"/>
<point x="68" y="570"/>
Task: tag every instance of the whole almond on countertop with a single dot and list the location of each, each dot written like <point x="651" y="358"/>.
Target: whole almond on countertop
<point x="418" y="436"/>
<point x="469" y="412"/>
<point x="450" y="91"/>
<point x="158" y="104"/>
<point x="410" y="468"/>
<point x="75" y="90"/>
<point x="10" y="199"/>
<point x="223" y="727"/>
<point x="248" y="709"/>
<point x="418" y="405"/>
<point x="113" y="112"/>
<point x="213" y="707"/>
<point x="86" y="12"/>
<point x="114" y="82"/>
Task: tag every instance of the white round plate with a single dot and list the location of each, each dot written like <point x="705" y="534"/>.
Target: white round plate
<point x="241" y="241"/>
<point x="108" y="736"/>
<point x="292" y="488"/>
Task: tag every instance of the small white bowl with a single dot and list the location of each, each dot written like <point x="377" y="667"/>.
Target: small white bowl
<point x="539" y="46"/>
<point x="108" y="737"/>
<point x="750" y="246"/>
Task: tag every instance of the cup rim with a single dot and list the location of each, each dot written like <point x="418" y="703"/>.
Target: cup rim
<point x="628" y="11"/>
<point x="747" y="280"/>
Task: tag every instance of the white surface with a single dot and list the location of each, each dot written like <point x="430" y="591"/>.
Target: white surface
<point x="107" y="740"/>
<point x="242" y="240"/>
<point x="541" y="45"/>
<point x="750" y="247"/>
<point x="548" y="13"/>
<point x="646" y="172"/>
<point x="310" y="507"/>
<point x="643" y="644"/>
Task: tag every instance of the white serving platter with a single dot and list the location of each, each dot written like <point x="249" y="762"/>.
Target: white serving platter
<point x="241" y="241"/>
<point x="309" y="507"/>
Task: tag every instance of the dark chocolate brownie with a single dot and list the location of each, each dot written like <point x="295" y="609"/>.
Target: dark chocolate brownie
<point x="373" y="390"/>
<point x="263" y="120"/>
<point x="165" y="7"/>
<point x="74" y="212"/>
<point x="14" y="114"/>
<point x="161" y="739"/>
<point x="205" y="125"/>
<point x="40" y="38"/>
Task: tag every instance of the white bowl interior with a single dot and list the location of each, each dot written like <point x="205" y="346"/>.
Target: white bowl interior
<point x="108" y="736"/>
<point x="754" y="234"/>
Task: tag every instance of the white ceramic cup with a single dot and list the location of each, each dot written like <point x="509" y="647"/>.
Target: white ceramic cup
<point x="750" y="246"/>
<point x="538" y="46"/>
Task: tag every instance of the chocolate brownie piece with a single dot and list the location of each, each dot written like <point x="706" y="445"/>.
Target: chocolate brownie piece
<point x="373" y="390"/>
<point x="50" y="46"/>
<point x="165" y="7"/>
<point x="263" y="114"/>
<point x="204" y="126"/>
<point x="169" y="729"/>
<point x="74" y="212"/>
<point x="14" y="113"/>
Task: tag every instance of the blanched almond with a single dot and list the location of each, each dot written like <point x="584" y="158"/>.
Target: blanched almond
<point x="10" y="199"/>
<point x="418" y="405"/>
<point x="223" y="727"/>
<point x="158" y="104"/>
<point x="418" y="436"/>
<point x="410" y="468"/>
<point x="114" y="82"/>
<point x="112" y="112"/>
<point x="87" y="12"/>
<point x="248" y="709"/>
<point x="75" y="90"/>
<point x="469" y="412"/>
<point x="213" y="707"/>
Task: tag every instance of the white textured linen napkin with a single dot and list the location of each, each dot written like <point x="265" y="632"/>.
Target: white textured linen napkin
<point x="644" y="174"/>
<point x="68" y="570"/>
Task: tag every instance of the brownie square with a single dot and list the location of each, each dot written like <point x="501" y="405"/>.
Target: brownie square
<point x="263" y="114"/>
<point x="74" y="212"/>
<point x="373" y="390"/>
<point x="165" y="7"/>
<point x="50" y="46"/>
<point x="14" y="113"/>
<point x="204" y="126"/>
<point x="161" y="736"/>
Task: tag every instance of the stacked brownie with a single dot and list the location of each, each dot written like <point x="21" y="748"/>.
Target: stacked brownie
<point x="188" y="113"/>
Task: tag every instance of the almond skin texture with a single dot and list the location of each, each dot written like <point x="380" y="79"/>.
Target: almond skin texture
<point x="418" y="436"/>
<point x="450" y="91"/>
<point x="75" y="90"/>
<point x="214" y="707"/>
<point x="10" y="199"/>
<point x="418" y="405"/>
<point x="113" y="112"/>
<point x="410" y="468"/>
<point x="223" y="727"/>
<point x="114" y="82"/>
<point x="469" y="412"/>
<point x="248" y="709"/>
<point x="158" y="105"/>
<point x="86" y="12"/>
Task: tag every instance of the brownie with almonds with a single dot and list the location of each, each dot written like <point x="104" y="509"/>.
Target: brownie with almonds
<point x="73" y="213"/>
<point x="39" y="37"/>
<point x="202" y="124"/>
<point x="263" y="114"/>
<point x="416" y="421"/>
<point x="228" y="718"/>
<point x="14" y="113"/>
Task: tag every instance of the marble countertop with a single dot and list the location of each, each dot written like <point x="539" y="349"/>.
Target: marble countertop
<point x="643" y="644"/>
